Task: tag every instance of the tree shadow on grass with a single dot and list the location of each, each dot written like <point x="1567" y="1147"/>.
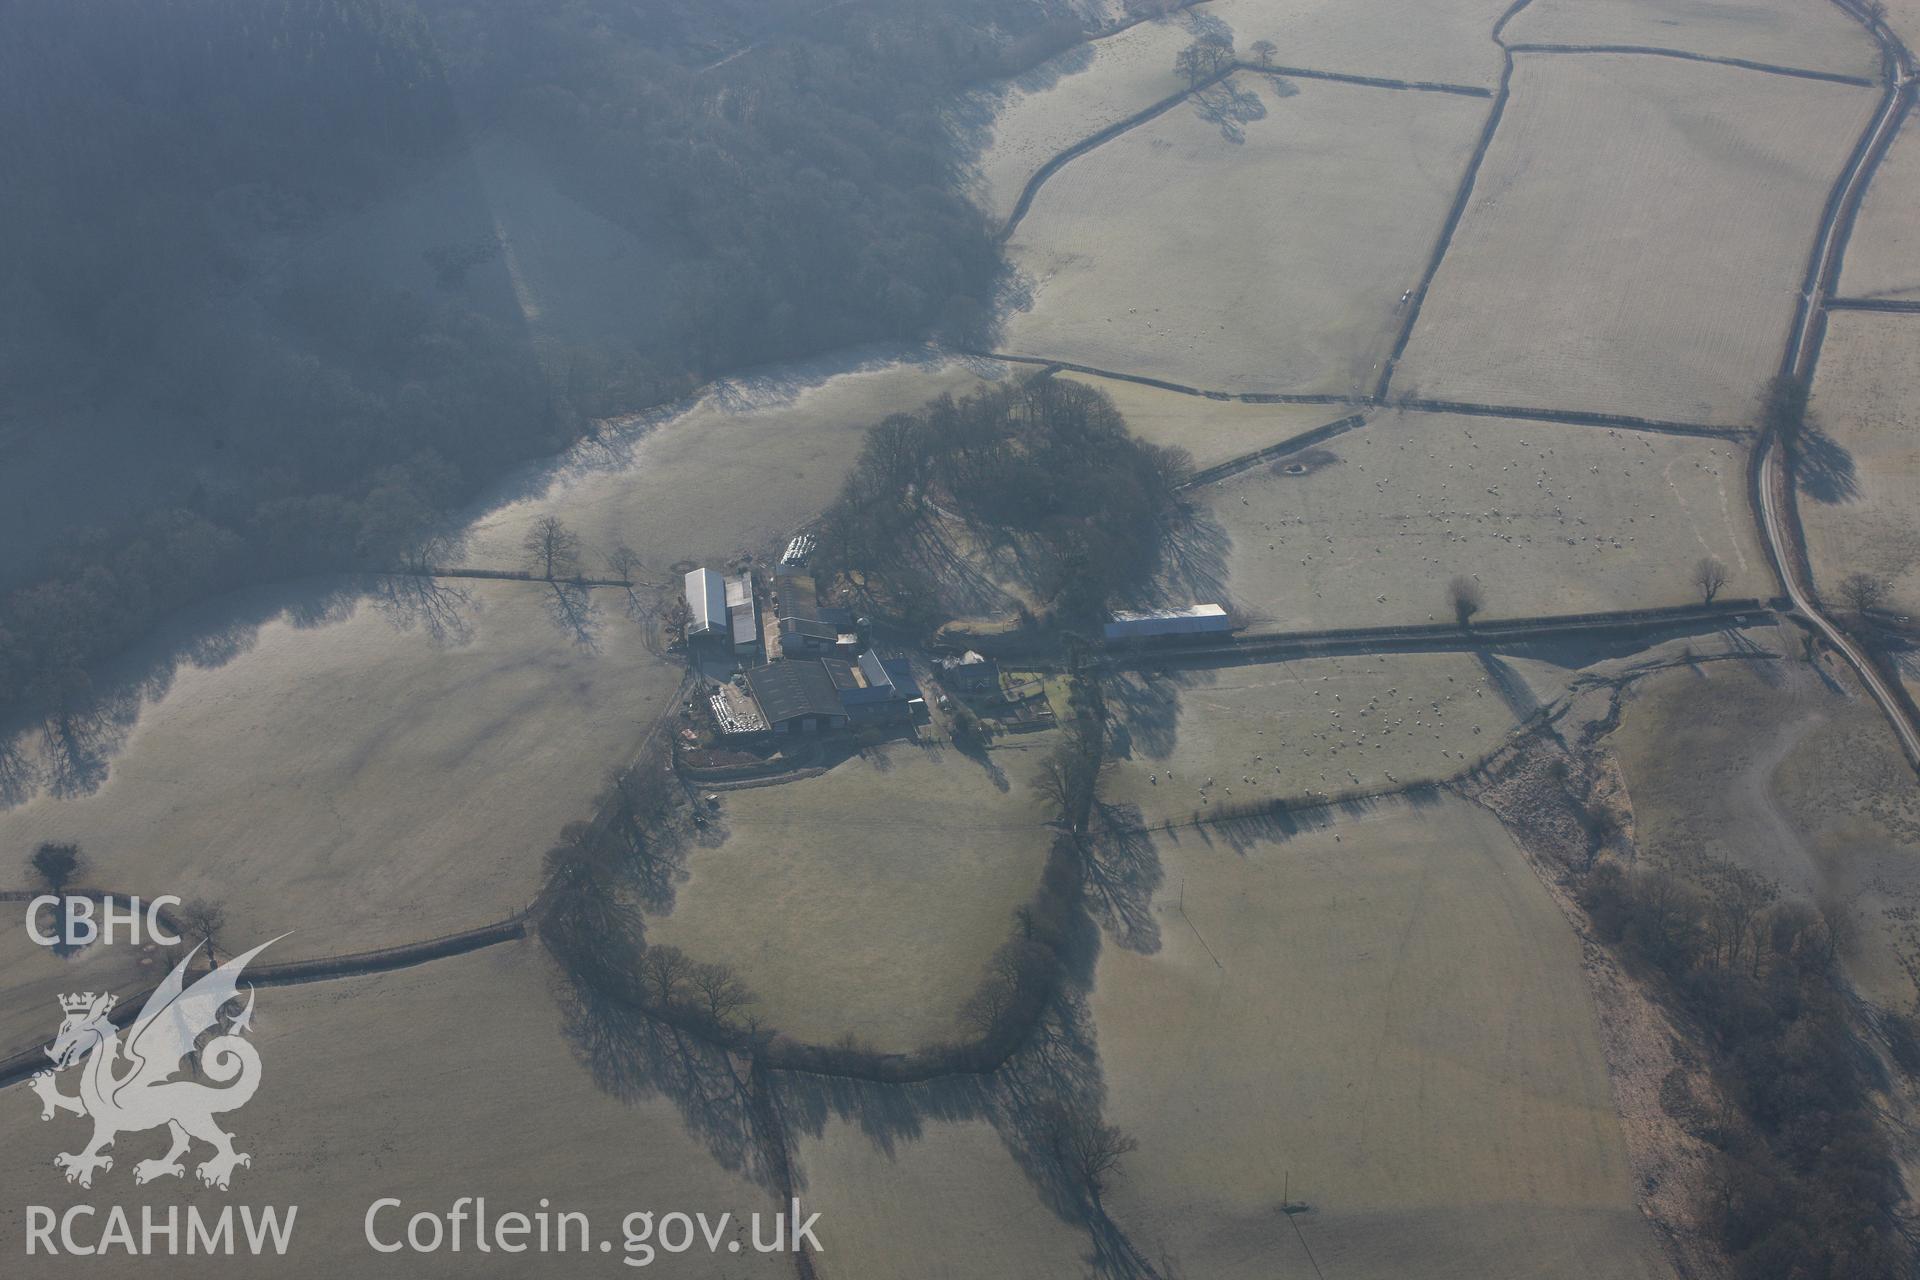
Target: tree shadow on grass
<point x="1231" y="108"/>
<point x="442" y="609"/>
<point x="1823" y="467"/>
<point x="1507" y="683"/>
<point x="1123" y="873"/>
<point x="571" y="609"/>
<point x="636" y="1058"/>
<point x="1243" y="833"/>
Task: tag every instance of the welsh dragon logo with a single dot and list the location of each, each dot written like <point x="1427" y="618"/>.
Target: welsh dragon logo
<point x="129" y="1087"/>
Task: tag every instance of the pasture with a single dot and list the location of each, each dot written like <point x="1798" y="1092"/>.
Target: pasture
<point x="1447" y="41"/>
<point x="1883" y="253"/>
<point x="1015" y="127"/>
<point x="1634" y="240"/>
<point x="1385" y="1019"/>
<point x="1213" y="431"/>
<point x="867" y="900"/>
<point x="1553" y="519"/>
<point x="1816" y="37"/>
<point x="769" y="450"/>
<point x="1258" y="237"/>
<point x="363" y="769"/>
<point x="941" y="1199"/>
<point x="1190" y="740"/>
<point x="1860" y="471"/>
<point x="452" y="1079"/>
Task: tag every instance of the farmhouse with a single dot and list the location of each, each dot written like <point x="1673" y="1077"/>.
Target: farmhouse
<point x="706" y="604"/>
<point x="1195" y="620"/>
<point x="971" y="673"/>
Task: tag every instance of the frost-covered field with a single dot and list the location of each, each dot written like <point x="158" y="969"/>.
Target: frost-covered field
<point x="447" y="1080"/>
<point x="1015" y="127"/>
<point x="1213" y="431"/>
<point x="867" y="900"/>
<point x="1257" y="238"/>
<point x="1553" y="519"/>
<point x="1860" y="480"/>
<point x="362" y="770"/>
<point x="1883" y="253"/>
<point x="1191" y="741"/>
<point x="1635" y="239"/>
<point x="747" y="463"/>
<point x="1818" y="37"/>
<point x="1382" y="1018"/>
<point x="1447" y="41"/>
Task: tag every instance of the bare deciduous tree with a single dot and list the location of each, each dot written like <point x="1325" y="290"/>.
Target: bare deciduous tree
<point x="719" y="992"/>
<point x="622" y="561"/>
<point x="1203" y="59"/>
<point x="204" y="920"/>
<point x="1709" y="575"/>
<point x="1464" y="594"/>
<point x="666" y="972"/>
<point x="1087" y="1149"/>
<point x="57" y="863"/>
<point x="553" y="550"/>
<point x="1862" y="592"/>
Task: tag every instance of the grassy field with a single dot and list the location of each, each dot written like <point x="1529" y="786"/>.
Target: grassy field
<point x="867" y="900"/>
<point x="1438" y="40"/>
<point x="1635" y="239"/>
<point x="1883" y="253"/>
<point x="1256" y="239"/>
<point x="36" y="978"/>
<point x="1283" y="729"/>
<point x="1784" y="32"/>
<point x="449" y="1080"/>
<point x="770" y="452"/>
<point x="943" y="1200"/>
<point x="1794" y="776"/>
<point x="363" y="771"/>
<point x="1553" y="519"/>
<point x="1013" y="128"/>
<point x="1211" y="430"/>
<point x="1857" y="494"/>
<point x="1386" y="1019"/>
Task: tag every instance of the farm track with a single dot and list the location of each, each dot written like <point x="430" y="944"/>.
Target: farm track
<point x="1637" y="624"/>
<point x="1772" y="473"/>
<point x="1654" y="51"/>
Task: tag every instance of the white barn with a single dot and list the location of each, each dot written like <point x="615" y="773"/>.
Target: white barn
<point x="706" y="604"/>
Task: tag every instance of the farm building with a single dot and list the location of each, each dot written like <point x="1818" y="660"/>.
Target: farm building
<point x="873" y="688"/>
<point x="743" y="618"/>
<point x="706" y="604"/>
<point x="797" y="697"/>
<point x="803" y="627"/>
<point x="1195" y="620"/>
<point x="806" y="695"/>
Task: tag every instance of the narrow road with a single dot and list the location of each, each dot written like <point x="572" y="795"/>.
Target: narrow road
<point x="1802" y="353"/>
